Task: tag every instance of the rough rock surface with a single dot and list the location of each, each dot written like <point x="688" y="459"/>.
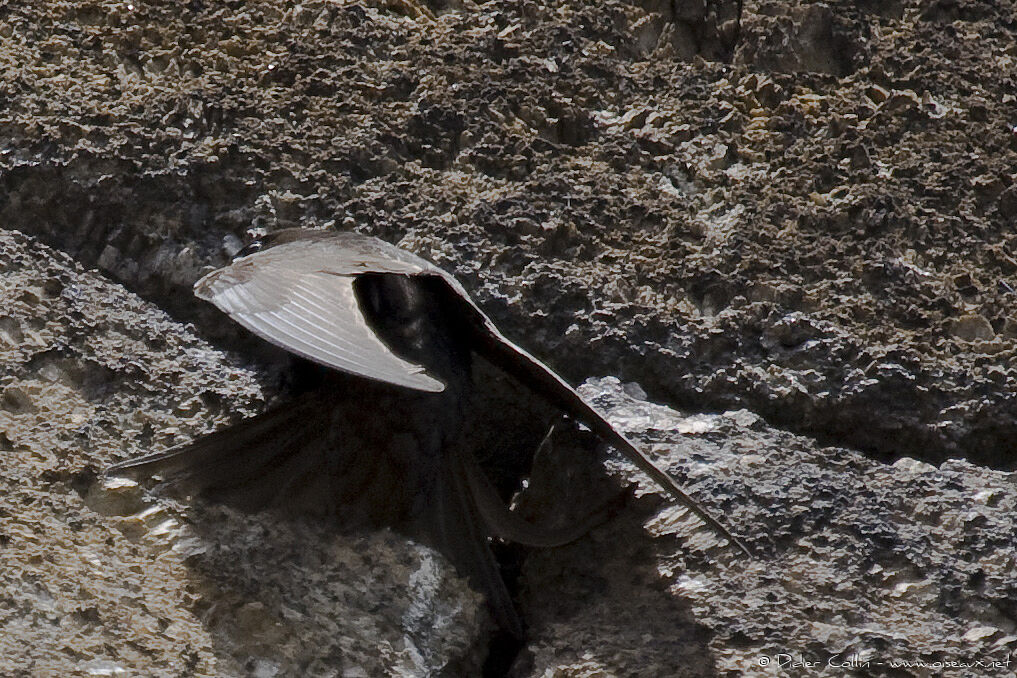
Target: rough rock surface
<point x="863" y="567"/>
<point x="98" y="577"/>
<point x="812" y="221"/>
<point x="806" y="214"/>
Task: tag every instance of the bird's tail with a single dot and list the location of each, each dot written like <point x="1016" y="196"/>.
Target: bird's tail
<point x="467" y="510"/>
<point x="456" y="527"/>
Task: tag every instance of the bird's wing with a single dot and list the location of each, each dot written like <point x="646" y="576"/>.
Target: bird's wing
<point x="495" y="347"/>
<point x="300" y="296"/>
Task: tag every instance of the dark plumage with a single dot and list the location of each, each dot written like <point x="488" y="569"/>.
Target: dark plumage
<point x="362" y="306"/>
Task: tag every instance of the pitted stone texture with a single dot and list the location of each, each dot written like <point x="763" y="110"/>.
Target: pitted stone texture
<point x="599" y="166"/>
<point x="100" y="577"/>
<point x="855" y="560"/>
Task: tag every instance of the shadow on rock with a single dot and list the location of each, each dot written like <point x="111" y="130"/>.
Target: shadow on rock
<point x="294" y="597"/>
<point x="599" y="606"/>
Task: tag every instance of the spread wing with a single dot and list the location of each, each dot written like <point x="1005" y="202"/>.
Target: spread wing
<point x="489" y="342"/>
<point x="300" y="296"/>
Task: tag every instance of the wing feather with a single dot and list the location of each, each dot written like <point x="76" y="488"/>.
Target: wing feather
<point x="302" y="299"/>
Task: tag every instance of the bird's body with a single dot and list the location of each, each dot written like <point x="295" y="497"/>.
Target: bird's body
<point x="391" y="452"/>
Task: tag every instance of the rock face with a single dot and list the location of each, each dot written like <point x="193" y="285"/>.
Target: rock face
<point x="99" y="577"/>
<point x="801" y="216"/>
<point x="862" y="566"/>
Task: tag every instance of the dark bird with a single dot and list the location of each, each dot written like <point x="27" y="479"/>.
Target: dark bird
<point x="359" y="305"/>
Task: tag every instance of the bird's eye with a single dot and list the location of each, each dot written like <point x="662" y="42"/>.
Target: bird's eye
<point x="250" y="249"/>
